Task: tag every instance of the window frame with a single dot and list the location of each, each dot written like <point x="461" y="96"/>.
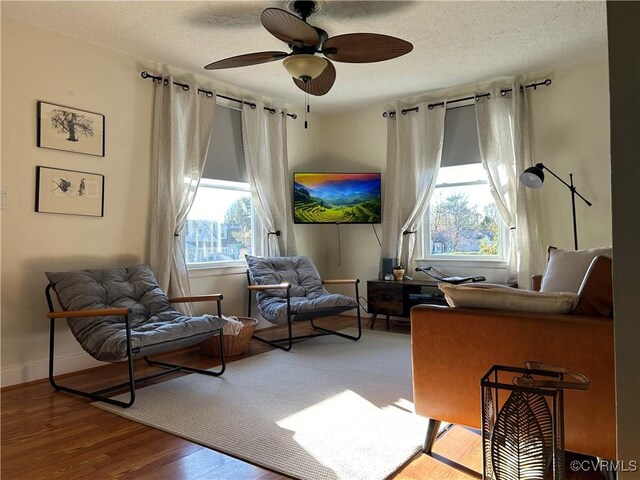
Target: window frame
<point x="202" y="269"/>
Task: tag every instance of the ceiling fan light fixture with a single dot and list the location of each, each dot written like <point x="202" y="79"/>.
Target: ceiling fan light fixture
<point x="304" y="66"/>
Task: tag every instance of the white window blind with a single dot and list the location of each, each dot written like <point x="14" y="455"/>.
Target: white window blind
<point x="460" y="137"/>
<point x="225" y="157"/>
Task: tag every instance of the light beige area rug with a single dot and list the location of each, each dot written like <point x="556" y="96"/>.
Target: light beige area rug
<point x="330" y="409"/>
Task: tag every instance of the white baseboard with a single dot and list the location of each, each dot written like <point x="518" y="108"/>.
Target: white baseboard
<point x="29" y="372"/>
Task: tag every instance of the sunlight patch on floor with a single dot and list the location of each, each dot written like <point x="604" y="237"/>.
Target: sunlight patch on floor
<point x="354" y="417"/>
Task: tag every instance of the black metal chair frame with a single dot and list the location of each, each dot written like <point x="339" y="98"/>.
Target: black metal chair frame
<point x="295" y="316"/>
<point x="131" y="383"/>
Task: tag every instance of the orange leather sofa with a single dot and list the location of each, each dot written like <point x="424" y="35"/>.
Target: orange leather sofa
<point x="452" y="348"/>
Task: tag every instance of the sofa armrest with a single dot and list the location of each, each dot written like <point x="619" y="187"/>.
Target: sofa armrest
<point x="452" y="348"/>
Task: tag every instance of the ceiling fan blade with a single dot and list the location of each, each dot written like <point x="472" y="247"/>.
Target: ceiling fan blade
<point x="365" y="47"/>
<point x="319" y="85"/>
<point x="246" y="59"/>
<point x="289" y="28"/>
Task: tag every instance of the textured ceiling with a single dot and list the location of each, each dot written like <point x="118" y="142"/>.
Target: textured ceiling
<point x="455" y="43"/>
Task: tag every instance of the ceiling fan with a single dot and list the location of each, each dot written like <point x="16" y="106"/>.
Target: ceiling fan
<point x="312" y="73"/>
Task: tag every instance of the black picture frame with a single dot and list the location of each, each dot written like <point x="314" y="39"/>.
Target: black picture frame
<point x="69" y="192"/>
<point x="84" y="130"/>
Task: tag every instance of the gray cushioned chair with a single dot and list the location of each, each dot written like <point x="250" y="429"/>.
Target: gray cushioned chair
<point x="119" y="314"/>
<point x="289" y="289"/>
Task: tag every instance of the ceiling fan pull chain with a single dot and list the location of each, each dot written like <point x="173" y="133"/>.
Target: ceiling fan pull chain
<point x="306" y="108"/>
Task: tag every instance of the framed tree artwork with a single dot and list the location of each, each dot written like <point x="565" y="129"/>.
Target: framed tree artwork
<point x="69" y="191"/>
<point x="70" y="129"/>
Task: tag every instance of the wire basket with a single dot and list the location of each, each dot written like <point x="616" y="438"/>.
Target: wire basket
<point x="233" y="344"/>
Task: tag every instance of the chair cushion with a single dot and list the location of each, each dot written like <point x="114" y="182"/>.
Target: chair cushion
<point x="300" y="272"/>
<point x="566" y="269"/>
<point x="153" y="319"/>
<point x="274" y="309"/>
<point x="499" y="297"/>
<point x="308" y="296"/>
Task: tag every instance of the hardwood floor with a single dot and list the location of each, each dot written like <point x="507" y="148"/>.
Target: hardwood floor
<point x="51" y="435"/>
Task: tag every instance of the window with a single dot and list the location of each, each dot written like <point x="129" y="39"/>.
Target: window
<point x="463" y="220"/>
<point x="220" y="225"/>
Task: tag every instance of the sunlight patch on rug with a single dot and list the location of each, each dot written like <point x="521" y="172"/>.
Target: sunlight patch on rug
<point x="356" y="418"/>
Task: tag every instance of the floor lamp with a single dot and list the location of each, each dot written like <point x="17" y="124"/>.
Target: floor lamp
<point x="533" y="177"/>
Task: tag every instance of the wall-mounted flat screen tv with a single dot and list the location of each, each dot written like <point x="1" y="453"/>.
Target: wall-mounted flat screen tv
<point x="336" y="198"/>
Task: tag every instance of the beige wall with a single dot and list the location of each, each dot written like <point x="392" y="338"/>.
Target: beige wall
<point x="570" y="134"/>
<point x="40" y="65"/>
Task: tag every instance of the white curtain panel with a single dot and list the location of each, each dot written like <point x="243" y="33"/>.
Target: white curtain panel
<point x="532" y="254"/>
<point x="182" y="126"/>
<point x="414" y="151"/>
<point x="264" y="136"/>
<point x="503" y="134"/>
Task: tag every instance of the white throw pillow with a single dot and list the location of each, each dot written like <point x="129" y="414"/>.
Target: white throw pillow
<point x="566" y="268"/>
<point x="499" y="297"/>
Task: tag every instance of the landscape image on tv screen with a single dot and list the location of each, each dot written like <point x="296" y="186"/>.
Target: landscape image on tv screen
<point x="336" y="198"/>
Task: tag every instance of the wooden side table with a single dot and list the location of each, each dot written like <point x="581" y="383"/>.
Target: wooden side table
<point x="396" y="297"/>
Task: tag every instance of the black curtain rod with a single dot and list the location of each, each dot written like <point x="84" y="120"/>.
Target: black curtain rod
<point x="503" y="92"/>
<point x="208" y="93"/>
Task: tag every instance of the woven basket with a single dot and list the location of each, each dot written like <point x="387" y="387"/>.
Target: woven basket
<point x="233" y="344"/>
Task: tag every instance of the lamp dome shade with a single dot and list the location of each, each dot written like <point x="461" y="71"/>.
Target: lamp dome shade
<point x="304" y="66"/>
<point x="533" y="177"/>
